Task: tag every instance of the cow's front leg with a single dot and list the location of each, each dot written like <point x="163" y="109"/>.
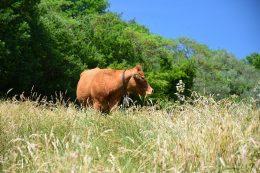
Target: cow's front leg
<point x="97" y="105"/>
<point x="102" y="107"/>
<point x="112" y="104"/>
<point x="105" y="108"/>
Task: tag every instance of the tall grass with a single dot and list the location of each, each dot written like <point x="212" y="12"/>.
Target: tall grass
<point x="202" y="136"/>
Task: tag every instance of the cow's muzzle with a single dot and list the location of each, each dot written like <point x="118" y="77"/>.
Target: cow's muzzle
<point x="149" y="91"/>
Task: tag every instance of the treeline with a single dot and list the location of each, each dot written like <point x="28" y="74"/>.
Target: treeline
<point x="45" y="44"/>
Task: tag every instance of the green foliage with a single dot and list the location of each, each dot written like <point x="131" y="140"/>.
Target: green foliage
<point x="164" y="82"/>
<point x="17" y="21"/>
<point x="76" y="8"/>
<point x="43" y="48"/>
<point x="223" y="75"/>
<point x="254" y="59"/>
<point x="46" y="44"/>
<point x="218" y="72"/>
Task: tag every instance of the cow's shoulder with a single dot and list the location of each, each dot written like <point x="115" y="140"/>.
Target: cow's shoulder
<point x="90" y="72"/>
<point x="110" y="72"/>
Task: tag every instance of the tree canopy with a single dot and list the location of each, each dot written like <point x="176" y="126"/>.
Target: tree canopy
<point x="254" y="59"/>
<point x="46" y="44"/>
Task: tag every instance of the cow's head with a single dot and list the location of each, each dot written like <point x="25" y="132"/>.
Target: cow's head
<point x="138" y="84"/>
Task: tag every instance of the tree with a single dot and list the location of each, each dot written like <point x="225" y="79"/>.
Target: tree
<point x="254" y="59"/>
<point x="75" y="8"/>
<point x="17" y="24"/>
<point x="219" y="73"/>
<point x="47" y="43"/>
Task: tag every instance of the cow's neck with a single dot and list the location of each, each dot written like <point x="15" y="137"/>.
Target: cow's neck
<point x="118" y="92"/>
<point x="127" y="76"/>
<point x="124" y="82"/>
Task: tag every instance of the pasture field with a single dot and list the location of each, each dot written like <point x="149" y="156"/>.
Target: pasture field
<point x="203" y="135"/>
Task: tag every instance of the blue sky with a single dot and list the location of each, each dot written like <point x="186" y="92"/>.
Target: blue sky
<point x="233" y="25"/>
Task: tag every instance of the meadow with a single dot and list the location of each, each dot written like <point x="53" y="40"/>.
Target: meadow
<point x="48" y="43"/>
<point x="200" y="135"/>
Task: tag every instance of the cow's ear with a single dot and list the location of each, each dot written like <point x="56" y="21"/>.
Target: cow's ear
<point x="138" y="67"/>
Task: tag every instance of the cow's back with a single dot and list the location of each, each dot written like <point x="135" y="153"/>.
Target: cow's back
<point x="85" y="84"/>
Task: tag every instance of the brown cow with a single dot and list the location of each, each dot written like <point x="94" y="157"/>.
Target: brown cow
<point x="103" y="88"/>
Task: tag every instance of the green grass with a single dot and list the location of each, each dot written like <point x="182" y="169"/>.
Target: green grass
<point x="205" y="136"/>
